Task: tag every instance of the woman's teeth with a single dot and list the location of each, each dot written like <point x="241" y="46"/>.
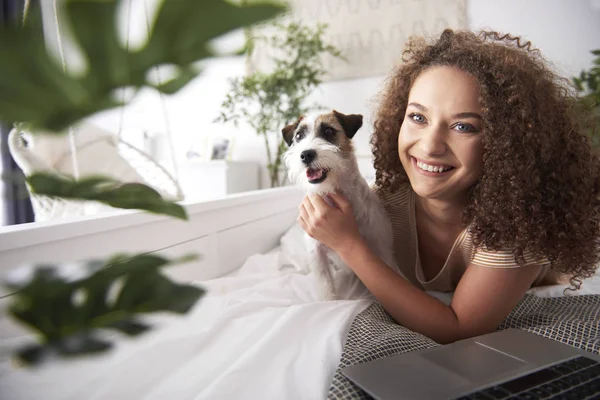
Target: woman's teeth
<point x="430" y="168"/>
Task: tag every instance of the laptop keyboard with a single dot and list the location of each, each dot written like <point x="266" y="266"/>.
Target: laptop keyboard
<point x="576" y="379"/>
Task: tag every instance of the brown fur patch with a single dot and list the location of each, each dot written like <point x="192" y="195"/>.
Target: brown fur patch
<point x="341" y="138"/>
<point x="288" y="131"/>
<point x="351" y="122"/>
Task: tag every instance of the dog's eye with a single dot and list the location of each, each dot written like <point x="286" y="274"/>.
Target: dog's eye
<point x="329" y="132"/>
<point x="299" y="135"/>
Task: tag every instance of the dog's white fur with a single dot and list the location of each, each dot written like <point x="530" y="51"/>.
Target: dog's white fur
<point x="338" y="281"/>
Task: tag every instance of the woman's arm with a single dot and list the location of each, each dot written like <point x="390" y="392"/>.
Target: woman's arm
<point x="483" y="299"/>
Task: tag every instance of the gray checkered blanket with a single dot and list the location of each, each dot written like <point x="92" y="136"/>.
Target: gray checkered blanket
<point x="574" y="320"/>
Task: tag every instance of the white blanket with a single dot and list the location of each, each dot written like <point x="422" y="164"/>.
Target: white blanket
<point x="258" y="333"/>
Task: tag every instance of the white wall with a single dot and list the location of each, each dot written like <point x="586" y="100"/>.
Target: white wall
<point x="564" y="30"/>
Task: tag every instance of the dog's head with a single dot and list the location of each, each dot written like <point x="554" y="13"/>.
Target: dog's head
<point x="320" y="150"/>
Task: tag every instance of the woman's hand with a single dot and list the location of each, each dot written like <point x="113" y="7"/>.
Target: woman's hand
<point x="334" y="226"/>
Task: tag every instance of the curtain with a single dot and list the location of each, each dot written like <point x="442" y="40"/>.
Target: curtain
<point x="15" y="202"/>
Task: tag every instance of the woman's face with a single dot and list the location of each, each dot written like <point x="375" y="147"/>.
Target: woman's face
<point x="440" y="144"/>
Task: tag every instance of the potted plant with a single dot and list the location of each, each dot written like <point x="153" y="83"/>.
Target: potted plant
<point x="268" y="101"/>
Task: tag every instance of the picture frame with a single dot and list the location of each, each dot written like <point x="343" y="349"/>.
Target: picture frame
<point x="220" y="148"/>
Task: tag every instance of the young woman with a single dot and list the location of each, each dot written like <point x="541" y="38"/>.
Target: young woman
<point x="489" y="180"/>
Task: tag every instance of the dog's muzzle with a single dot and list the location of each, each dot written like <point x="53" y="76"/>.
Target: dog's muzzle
<point x="314" y="175"/>
<point x="308" y="156"/>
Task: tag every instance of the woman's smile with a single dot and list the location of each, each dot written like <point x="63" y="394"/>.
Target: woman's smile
<point x="430" y="168"/>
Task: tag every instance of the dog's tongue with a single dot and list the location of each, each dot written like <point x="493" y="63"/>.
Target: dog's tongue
<point x="313" y="174"/>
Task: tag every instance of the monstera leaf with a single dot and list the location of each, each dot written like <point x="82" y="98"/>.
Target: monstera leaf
<point x="68" y="305"/>
<point x="105" y="190"/>
<point x="35" y="90"/>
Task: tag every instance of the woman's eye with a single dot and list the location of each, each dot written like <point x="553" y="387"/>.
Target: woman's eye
<point x="418" y="118"/>
<point x="465" y="127"/>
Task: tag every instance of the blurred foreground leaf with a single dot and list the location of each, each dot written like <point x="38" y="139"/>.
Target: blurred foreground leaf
<point x="67" y="312"/>
<point x="35" y="90"/>
<point x="105" y="190"/>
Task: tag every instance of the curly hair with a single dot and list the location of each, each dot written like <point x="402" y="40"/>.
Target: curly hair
<point x="538" y="190"/>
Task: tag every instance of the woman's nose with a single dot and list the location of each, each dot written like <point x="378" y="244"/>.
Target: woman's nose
<point x="433" y="141"/>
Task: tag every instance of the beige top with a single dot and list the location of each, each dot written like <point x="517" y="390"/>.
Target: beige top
<point x="400" y="207"/>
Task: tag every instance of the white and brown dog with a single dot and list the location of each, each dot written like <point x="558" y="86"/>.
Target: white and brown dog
<point x="321" y="160"/>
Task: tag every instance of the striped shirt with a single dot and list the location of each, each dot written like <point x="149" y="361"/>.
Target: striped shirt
<point x="400" y="206"/>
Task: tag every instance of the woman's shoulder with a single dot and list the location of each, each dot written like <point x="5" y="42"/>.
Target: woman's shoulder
<point x="501" y="258"/>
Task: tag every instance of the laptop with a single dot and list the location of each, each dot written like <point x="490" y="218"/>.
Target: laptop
<point x="511" y="363"/>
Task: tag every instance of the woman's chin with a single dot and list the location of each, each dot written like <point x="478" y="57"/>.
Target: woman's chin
<point x="432" y="192"/>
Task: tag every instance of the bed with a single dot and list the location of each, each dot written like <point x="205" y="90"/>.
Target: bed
<point x="260" y="332"/>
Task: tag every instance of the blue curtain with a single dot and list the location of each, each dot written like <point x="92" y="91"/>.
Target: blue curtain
<point x="17" y="206"/>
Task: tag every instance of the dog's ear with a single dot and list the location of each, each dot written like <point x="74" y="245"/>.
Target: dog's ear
<point x="288" y="131"/>
<point x="351" y="122"/>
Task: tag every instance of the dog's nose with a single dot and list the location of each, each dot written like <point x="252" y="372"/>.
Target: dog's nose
<point x="307" y="156"/>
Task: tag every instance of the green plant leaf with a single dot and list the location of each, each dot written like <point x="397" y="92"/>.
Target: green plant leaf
<point x="150" y="292"/>
<point x="72" y="346"/>
<point x="130" y="327"/>
<point x="81" y="344"/>
<point x="174" y="85"/>
<point x="105" y="190"/>
<point x="67" y="324"/>
<point x="34" y="89"/>
<point x="31" y="354"/>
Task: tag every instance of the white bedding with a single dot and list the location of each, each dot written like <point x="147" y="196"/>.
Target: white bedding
<point x="258" y="333"/>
